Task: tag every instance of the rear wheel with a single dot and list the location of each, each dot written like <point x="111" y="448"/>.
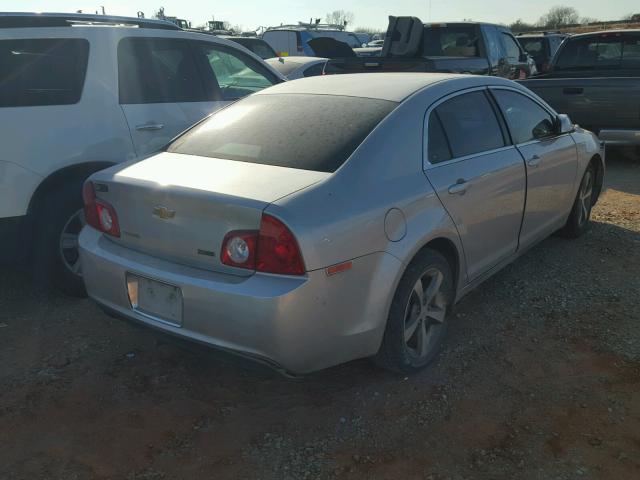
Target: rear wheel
<point x="578" y="220"/>
<point x="57" y="259"/>
<point x="418" y="316"/>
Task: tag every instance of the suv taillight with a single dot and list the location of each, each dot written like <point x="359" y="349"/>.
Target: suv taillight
<point x="272" y="249"/>
<point x="98" y="213"/>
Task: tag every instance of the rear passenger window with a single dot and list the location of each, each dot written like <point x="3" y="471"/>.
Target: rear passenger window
<point x="437" y="143"/>
<point x="42" y="71"/>
<point x="158" y="70"/>
<point x="470" y="124"/>
<point x="526" y="119"/>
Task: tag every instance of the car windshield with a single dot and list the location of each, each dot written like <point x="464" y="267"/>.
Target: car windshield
<point x="605" y="51"/>
<point x="308" y="132"/>
<point x="257" y="46"/>
<point x="450" y="41"/>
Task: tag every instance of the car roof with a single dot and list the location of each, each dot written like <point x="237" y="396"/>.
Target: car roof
<point x="394" y="87"/>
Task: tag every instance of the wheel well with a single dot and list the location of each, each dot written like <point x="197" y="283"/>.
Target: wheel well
<point x="596" y="161"/>
<point x="59" y="178"/>
<point x="446" y="248"/>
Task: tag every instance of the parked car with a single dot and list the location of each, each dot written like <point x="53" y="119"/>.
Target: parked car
<point x="256" y="45"/>
<point x="334" y="218"/>
<point x="292" y="40"/>
<point x="75" y="98"/>
<point x="541" y="47"/>
<point x="466" y="47"/>
<point x="595" y="78"/>
<point x="298" y="67"/>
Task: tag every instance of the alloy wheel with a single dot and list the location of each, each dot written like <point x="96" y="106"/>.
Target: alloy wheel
<point x="424" y="314"/>
<point x="585" y="198"/>
<point x="68" y="245"/>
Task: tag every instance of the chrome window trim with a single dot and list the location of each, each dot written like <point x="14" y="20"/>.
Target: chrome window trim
<point x="426" y="164"/>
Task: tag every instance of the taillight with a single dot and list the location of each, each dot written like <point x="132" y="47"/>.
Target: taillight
<point x="239" y="249"/>
<point x="272" y="249"/>
<point x="278" y="250"/>
<point x="98" y="213"/>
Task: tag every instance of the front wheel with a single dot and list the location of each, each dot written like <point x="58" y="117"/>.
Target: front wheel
<point x="578" y="220"/>
<point x="418" y="316"/>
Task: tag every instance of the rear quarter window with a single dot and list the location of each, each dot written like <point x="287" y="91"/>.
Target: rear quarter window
<point x="308" y="132"/>
<point x="42" y="72"/>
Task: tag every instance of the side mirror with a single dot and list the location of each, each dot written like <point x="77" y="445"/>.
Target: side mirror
<point x="524" y="57"/>
<point x="564" y="124"/>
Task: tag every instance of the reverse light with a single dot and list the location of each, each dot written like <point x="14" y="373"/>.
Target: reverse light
<point x="272" y="249"/>
<point x="239" y="249"/>
<point x="98" y="213"/>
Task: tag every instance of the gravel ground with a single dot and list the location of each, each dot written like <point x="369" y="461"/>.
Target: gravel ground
<point x="539" y="379"/>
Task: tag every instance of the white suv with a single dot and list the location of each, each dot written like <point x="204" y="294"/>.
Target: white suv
<point x="79" y="93"/>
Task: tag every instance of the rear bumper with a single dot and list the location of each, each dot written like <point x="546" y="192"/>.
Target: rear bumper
<point x="296" y="324"/>
<point x="620" y="137"/>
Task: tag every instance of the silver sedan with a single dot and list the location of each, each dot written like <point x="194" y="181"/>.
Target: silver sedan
<point x="337" y="217"/>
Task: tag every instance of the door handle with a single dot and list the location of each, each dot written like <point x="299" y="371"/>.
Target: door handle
<point x="149" y="127"/>
<point x="459" y="188"/>
<point x="534" y="161"/>
<point x="573" y="90"/>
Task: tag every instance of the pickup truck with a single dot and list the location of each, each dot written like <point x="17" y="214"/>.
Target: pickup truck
<point x="595" y="79"/>
<point x="464" y="47"/>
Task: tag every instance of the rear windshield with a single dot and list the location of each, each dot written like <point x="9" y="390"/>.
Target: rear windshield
<point x="308" y="132"/>
<point x="605" y="51"/>
<point x="450" y="40"/>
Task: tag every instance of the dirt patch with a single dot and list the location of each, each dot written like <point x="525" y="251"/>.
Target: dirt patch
<point x="539" y="379"/>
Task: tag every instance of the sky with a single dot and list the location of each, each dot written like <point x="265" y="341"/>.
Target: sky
<point x="251" y="14"/>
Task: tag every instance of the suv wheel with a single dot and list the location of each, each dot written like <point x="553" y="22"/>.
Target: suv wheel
<point x="57" y="260"/>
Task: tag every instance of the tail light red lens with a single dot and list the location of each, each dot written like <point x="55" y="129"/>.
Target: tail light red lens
<point x="278" y="250"/>
<point x="272" y="249"/>
<point x="98" y="213"/>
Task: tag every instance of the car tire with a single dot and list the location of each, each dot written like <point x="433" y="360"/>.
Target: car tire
<point x="56" y="259"/>
<point x="417" y="323"/>
<point x="578" y="221"/>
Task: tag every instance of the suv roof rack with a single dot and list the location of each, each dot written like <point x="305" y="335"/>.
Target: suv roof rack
<point x="23" y="20"/>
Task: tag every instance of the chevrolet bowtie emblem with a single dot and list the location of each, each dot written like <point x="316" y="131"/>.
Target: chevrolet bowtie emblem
<point x="163" y="212"/>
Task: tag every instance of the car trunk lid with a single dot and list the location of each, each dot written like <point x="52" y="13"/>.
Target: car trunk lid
<point x="179" y="207"/>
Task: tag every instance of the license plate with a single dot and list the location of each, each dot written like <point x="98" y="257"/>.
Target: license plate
<point x="157" y="300"/>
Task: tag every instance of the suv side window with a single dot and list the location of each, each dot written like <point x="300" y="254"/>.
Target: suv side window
<point x="42" y="71"/>
<point x="158" y="70"/>
<point x="470" y="124"/>
<point x="511" y="47"/>
<point x="238" y="75"/>
<point x="526" y="119"/>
